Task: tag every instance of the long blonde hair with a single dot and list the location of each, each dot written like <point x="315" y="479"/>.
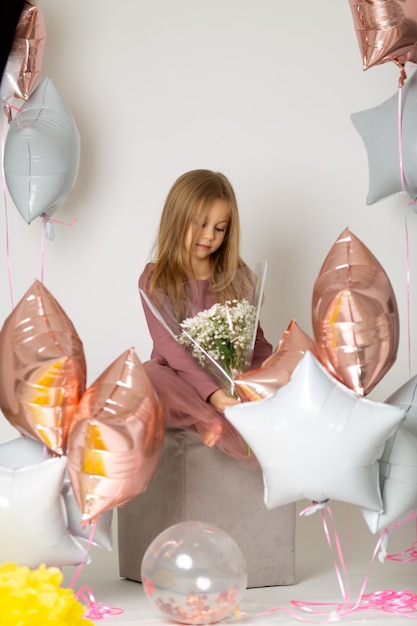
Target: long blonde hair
<point x="189" y="198"/>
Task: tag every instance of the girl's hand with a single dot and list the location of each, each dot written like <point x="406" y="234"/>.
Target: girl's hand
<point x="220" y="400"/>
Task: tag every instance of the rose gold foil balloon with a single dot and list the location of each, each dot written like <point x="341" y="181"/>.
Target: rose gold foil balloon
<point x="25" y="58"/>
<point x="115" y="439"/>
<point x="276" y="370"/>
<point x="386" y="31"/>
<point x="43" y="368"/>
<point x="355" y="315"/>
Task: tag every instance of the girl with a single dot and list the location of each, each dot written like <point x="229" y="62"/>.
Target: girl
<point x="197" y="263"/>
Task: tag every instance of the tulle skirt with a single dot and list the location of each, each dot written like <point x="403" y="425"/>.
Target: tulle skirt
<point x="183" y="407"/>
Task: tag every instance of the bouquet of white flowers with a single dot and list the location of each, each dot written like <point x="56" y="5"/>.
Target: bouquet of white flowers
<point x="220" y="338"/>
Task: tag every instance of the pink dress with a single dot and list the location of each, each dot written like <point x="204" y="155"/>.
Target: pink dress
<point x="181" y="384"/>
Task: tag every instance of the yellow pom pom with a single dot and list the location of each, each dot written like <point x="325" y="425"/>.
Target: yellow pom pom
<point x="32" y="597"/>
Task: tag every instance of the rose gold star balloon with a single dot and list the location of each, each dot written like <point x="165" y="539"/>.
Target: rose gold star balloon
<point x="355" y="315"/>
<point x="115" y="439"/>
<point x="386" y="31"/>
<point x="43" y="369"/>
<point x="25" y="58"/>
<point x="276" y="370"/>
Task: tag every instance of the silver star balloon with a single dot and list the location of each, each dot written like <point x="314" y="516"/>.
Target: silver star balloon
<point x="390" y="138"/>
<point x="398" y="465"/>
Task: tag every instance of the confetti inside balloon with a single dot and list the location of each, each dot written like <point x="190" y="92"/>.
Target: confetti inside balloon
<point x="194" y="573"/>
<point x="115" y="439"/>
<point x="43" y="368"/>
<point x="355" y="315"/>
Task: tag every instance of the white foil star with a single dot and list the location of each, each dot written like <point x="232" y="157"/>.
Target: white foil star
<point x="317" y="439"/>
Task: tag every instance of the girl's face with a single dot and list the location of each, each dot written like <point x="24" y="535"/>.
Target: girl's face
<point x="209" y="235"/>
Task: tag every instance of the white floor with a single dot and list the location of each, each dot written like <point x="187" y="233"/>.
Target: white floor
<point x="322" y="588"/>
<point x="316" y="580"/>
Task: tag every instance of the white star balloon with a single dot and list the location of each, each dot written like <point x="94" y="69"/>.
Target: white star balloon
<point x="32" y="516"/>
<point x="317" y="439"/>
<point x="398" y="465"/>
<point x="378" y="128"/>
<point x="23" y="451"/>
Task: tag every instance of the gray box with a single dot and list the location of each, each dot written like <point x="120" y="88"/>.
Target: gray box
<point x="196" y="483"/>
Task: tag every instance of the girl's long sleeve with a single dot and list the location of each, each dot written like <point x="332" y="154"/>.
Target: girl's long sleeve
<point x="167" y="348"/>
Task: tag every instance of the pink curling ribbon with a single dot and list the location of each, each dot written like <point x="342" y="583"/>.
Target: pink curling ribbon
<point x="410" y="554"/>
<point x="400" y="134"/>
<point x="95" y="610"/>
<point x="401" y="603"/>
<point x="388" y="601"/>
<point x="407" y="261"/>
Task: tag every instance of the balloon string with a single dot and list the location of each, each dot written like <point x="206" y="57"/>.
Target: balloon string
<point x="8" y="110"/>
<point x="81" y="565"/>
<point x="55" y="221"/>
<point x="400" y="147"/>
<point x="402" y="603"/>
<point x="6" y="215"/>
<point x="42" y="250"/>
<point x="95" y="610"/>
<point x="407" y="260"/>
<point x="410" y="554"/>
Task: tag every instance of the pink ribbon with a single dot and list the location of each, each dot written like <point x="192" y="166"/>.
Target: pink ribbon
<point x="400" y="135"/>
<point x="407" y="261"/>
<point x="410" y="554"/>
<point x="402" y="603"/>
<point x="95" y="610"/>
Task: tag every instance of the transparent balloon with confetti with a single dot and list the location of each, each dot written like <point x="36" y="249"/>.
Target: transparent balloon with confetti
<point x="194" y="573"/>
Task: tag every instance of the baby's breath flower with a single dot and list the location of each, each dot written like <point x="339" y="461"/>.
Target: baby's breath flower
<point x="224" y="333"/>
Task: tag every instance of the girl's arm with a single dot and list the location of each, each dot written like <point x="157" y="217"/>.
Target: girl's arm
<point x="220" y="400"/>
<point x="176" y="356"/>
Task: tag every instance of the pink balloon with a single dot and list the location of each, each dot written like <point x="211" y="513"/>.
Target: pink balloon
<point x="276" y="370"/>
<point x="43" y="368"/>
<point x="25" y="58"/>
<point x="355" y="315"/>
<point x="115" y="439"/>
<point x="386" y="31"/>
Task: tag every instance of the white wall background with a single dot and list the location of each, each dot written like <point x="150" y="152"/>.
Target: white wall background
<point x="261" y="90"/>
